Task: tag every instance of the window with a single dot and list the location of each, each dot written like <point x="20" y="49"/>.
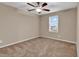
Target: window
<point x="53" y="23"/>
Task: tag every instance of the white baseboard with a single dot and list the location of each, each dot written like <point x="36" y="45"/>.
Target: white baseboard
<point x="36" y="37"/>
<point x="18" y="42"/>
<point x="59" y="39"/>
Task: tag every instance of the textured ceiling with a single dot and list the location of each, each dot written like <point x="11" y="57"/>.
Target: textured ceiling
<point x="53" y="6"/>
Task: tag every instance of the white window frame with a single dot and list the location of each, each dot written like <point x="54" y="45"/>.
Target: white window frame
<point x="50" y="30"/>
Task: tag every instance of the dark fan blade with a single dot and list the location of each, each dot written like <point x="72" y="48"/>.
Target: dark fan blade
<point x="46" y="9"/>
<point x="31" y="10"/>
<point x="38" y="3"/>
<point x="30" y="4"/>
<point x="44" y="4"/>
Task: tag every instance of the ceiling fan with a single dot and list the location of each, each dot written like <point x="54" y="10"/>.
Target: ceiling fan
<point x="38" y="7"/>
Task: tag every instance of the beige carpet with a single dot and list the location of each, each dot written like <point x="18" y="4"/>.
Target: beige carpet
<point x="40" y="47"/>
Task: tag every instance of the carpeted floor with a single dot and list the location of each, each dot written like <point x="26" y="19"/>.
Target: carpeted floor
<point x="40" y="47"/>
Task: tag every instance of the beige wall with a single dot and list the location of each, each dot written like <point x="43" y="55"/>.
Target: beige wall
<point x="16" y="27"/>
<point x="78" y="31"/>
<point x="67" y="25"/>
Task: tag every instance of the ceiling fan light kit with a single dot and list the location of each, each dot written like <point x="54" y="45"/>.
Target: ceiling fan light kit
<point x="38" y="8"/>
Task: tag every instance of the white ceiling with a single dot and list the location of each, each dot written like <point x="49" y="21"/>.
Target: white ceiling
<point x="53" y="6"/>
